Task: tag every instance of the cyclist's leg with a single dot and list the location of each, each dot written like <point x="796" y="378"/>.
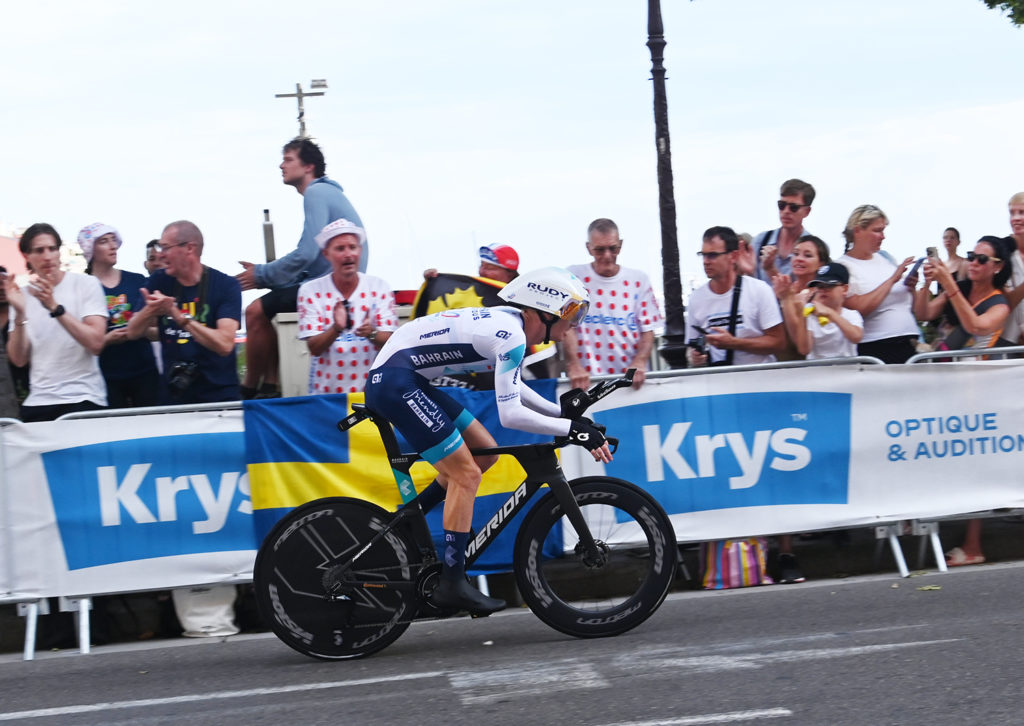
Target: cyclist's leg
<point x="458" y="510"/>
<point x="462" y="475"/>
<point x="432" y="422"/>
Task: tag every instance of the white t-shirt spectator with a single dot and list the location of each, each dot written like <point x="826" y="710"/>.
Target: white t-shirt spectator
<point x="893" y="317"/>
<point x="621" y="309"/>
<point x="61" y="369"/>
<point x="758" y="310"/>
<point x="343" y="367"/>
<point x="828" y="341"/>
<point x="1015" y="322"/>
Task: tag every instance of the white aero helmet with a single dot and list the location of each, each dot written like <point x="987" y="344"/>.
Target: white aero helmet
<point x="551" y="290"/>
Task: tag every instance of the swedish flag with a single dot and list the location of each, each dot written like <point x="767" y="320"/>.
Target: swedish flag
<point x="295" y="453"/>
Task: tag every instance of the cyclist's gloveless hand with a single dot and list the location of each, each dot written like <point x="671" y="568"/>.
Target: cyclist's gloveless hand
<point x="584" y="433"/>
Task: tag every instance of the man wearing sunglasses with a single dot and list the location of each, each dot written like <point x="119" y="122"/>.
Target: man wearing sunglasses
<point x="618" y="334"/>
<point x="771" y="252"/>
<point x="197" y="310"/>
<point x="734" y="319"/>
<point x="344" y="317"/>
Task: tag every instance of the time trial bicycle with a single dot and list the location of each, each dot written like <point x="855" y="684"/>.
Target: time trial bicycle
<point x="343" y="578"/>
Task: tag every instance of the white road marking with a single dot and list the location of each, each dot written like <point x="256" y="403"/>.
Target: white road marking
<point x="198" y="697"/>
<point x="475" y="687"/>
<point x="630" y="660"/>
<point x="717" y="663"/>
<point x="729" y="717"/>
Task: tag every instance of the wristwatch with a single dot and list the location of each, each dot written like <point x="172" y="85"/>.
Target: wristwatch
<point x="186" y="319"/>
<point x="57" y="311"/>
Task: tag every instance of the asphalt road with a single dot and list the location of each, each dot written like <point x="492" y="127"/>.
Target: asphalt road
<point x="936" y="649"/>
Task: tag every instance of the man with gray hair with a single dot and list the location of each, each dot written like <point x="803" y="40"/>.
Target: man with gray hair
<point x="197" y="310"/>
<point x="618" y="333"/>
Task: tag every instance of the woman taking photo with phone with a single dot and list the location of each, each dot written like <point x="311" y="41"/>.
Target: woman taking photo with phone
<point x="890" y="330"/>
<point x="978" y="302"/>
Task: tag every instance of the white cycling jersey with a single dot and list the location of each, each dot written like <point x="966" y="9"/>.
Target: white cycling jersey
<point x="471" y="340"/>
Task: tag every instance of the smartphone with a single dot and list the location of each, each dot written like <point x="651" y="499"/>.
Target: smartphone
<point x="932" y="252"/>
<point x="916" y="267"/>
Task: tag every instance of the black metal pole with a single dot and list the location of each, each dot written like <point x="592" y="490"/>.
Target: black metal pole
<point x="673" y="348"/>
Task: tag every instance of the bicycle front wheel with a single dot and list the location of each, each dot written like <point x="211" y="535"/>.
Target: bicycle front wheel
<point x="374" y="599"/>
<point x="596" y="596"/>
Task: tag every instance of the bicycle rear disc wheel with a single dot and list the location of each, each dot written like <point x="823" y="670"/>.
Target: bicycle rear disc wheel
<point x="618" y="591"/>
<point x="377" y="598"/>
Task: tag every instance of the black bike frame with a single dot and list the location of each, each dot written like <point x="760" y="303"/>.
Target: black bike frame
<point x="538" y="460"/>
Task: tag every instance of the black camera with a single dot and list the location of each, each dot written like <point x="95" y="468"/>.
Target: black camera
<point x="699" y="344"/>
<point x="181" y="376"/>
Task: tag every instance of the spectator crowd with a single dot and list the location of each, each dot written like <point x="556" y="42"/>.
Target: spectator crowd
<point x="114" y="338"/>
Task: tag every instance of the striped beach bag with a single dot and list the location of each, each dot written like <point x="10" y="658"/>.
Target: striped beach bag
<point x="733" y="563"/>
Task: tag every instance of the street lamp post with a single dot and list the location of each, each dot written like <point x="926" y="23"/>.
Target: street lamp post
<point x="300" y="94"/>
<point x="673" y="348"/>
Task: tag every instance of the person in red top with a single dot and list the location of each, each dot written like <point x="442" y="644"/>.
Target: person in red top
<point x="618" y="334"/>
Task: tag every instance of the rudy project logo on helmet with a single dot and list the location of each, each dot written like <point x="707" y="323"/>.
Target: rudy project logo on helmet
<point x="548" y="290"/>
<point x="551" y="290"/>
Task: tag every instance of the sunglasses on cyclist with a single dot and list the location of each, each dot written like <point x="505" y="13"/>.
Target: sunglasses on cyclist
<point x="711" y="256"/>
<point x="981" y="258"/>
<point x="792" y="207"/>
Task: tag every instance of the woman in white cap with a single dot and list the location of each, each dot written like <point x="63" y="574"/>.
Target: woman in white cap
<point x="344" y="317"/>
<point x="129" y="367"/>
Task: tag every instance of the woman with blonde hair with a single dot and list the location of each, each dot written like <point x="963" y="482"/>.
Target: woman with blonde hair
<point x="890" y="330"/>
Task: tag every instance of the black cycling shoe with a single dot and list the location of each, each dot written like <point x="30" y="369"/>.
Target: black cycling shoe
<point x="460" y="595"/>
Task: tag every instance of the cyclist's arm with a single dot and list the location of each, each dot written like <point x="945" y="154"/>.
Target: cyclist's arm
<point x="536" y="402"/>
<point x="513" y="401"/>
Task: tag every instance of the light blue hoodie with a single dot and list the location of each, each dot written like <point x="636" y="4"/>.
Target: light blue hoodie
<point x="323" y="202"/>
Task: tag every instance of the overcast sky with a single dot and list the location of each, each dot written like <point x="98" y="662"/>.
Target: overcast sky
<point x="456" y="122"/>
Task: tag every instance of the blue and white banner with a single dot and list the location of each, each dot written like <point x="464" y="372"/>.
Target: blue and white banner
<point x="787" y="450"/>
<point x="153" y="502"/>
<point x="127" y="503"/>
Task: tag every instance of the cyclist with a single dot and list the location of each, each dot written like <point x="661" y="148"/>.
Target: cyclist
<point x="543" y="305"/>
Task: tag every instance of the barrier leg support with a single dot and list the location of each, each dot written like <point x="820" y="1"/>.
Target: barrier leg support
<point x="81" y="605"/>
<point x="891" y="532"/>
<point x="930" y="530"/>
<point x="29" y="611"/>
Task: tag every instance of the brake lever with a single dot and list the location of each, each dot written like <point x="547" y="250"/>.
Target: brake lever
<point x="576" y="401"/>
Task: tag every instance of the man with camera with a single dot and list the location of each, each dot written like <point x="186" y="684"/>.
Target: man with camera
<point x="197" y="310"/>
<point x="734" y="319"/>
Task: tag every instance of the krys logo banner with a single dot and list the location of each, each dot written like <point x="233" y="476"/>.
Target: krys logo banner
<point x="122" y="501"/>
<point x="736" y="450"/>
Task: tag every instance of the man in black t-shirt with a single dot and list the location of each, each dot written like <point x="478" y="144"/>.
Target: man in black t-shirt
<point x="198" y="311"/>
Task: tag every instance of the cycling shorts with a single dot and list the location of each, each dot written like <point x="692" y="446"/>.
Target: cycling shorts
<point x="429" y="419"/>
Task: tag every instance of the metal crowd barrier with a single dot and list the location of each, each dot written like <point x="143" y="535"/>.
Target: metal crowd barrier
<point x="930" y="528"/>
<point x="890" y="531"/>
<point x="30" y="609"/>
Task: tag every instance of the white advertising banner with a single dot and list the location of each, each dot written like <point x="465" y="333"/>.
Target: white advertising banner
<point x="124" y="504"/>
<point x="789" y="450"/>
